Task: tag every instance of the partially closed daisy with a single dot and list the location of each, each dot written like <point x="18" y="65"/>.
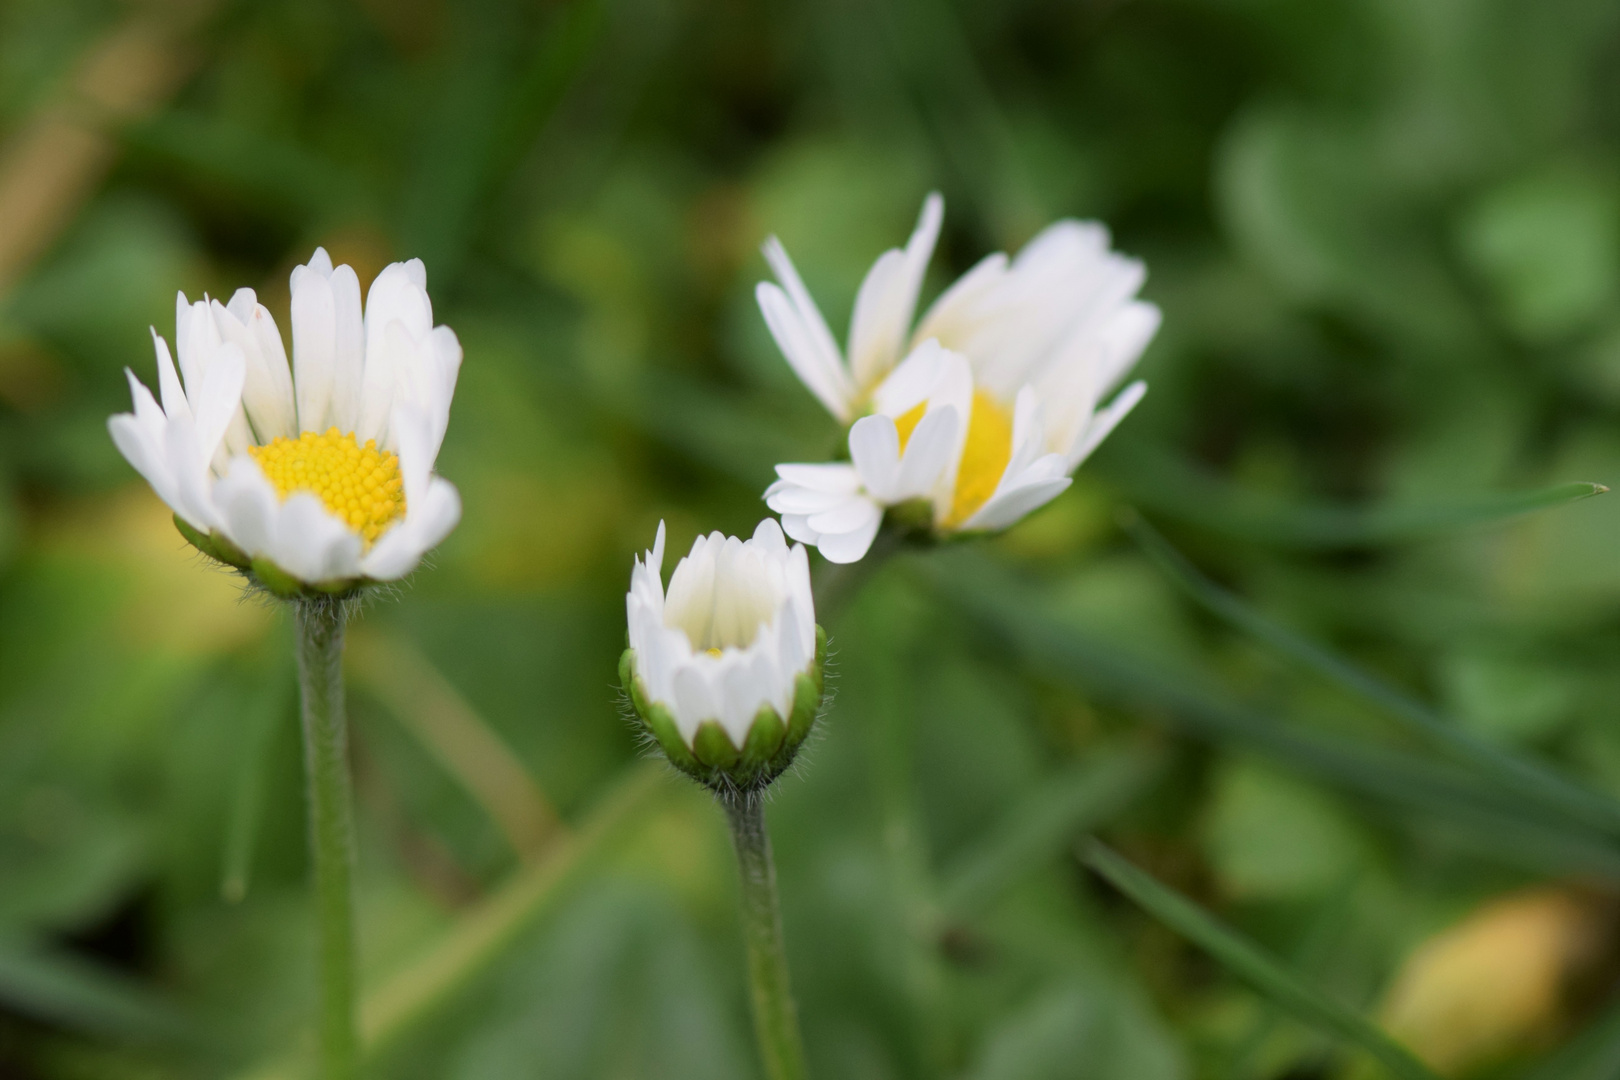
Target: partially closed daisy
<point x="725" y="669"/>
<point x="317" y="478"/>
<point x="983" y="411"/>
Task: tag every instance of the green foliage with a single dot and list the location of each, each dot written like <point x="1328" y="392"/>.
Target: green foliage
<point x="1369" y="687"/>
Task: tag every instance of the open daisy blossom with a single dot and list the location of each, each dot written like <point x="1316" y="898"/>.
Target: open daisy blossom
<point x="724" y="667"/>
<point x="314" y="476"/>
<point x="984" y="410"/>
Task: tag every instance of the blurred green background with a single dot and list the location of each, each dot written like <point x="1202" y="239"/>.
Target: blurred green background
<point x="1386" y="238"/>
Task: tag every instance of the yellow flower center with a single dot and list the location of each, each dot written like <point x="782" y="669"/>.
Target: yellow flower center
<point x="359" y="484"/>
<point x="984" y="457"/>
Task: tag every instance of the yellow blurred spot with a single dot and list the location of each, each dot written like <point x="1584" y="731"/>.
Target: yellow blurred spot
<point x="984" y="458"/>
<point x="361" y="485"/>
<point x="715" y="652"/>
<point x="1494" y="983"/>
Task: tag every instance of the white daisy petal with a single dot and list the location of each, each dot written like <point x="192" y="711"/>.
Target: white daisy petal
<point x="248" y="507"/>
<point x="787" y="498"/>
<point x="841" y="479"/>
<point x="427" y="523"/>
<point x="797" y="526"/>
<point x="216" y="402"/>
<point x="311" y="544"/>
<point x="1106" y="420"/>
<point x="348" y="349"/>
<point x="888" y="299"/>
<point x="727" y="638"/>
<point x="314" y="336"/>
<point x="1018" y="349"/>
<point x="1007" y="507"/>
<point x="852" y="515"/>
<point x="852" y="546"/>
<point x="824" y="376"/>
<point x="874" y="448"/>
<point x="219" y="471"/>
<point x="174" y="398"/>
<point x="928" y="453"/>
<point x="147" y="457"/>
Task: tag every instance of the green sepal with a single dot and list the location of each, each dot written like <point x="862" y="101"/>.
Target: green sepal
<point x="335" y="587"/>
<point x="712" y="758"/>
<point x="714" y="747"/>
<point x="215" y="547"/>
<point x="913" y="518"/>
<point x="806" y="704"/>
<point x="819" y="672"/>
<point x="627" y="675"/>
<point x="656" y="720"/>
<point x="663" y="728"/>
<point x="276" y="580"/>
<point x="765" y="737"/>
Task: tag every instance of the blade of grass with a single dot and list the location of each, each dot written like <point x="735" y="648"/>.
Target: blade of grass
<point x="1530" y="778"/>
<point x="487" y="931"/>
<point x="1042" y="824"/>
<point x="247" y="799"/>
<point x="82" y="996"/>
<point x="1327" y="925"/>
<point x="1500" y="821"/>
<point x="1252" y="964"/>
<point x="1175" y="489"/>
<point x="391" y="670"/>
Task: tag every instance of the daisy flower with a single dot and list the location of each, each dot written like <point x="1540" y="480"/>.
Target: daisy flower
<point x="981" y="412"/>
<point x="314" y="478"/>
<point x="725" y="668"/>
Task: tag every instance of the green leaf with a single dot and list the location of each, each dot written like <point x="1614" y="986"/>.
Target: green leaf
<point x="1177" y="490"/>
<point x="1271" y="835"/>
<point x="1531" y="779"/>
<point x="1252" y="964"/>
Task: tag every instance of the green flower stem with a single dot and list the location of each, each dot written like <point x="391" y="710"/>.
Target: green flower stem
<point x="776" y="1021"/>
<point x="320" y="626"/>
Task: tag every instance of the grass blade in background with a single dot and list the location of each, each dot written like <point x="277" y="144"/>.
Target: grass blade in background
<point x="1251" y="964"/>
<point x="82" y="996"/>
<point x="1529" y="777"/>
<point x="483" y="933"/>
<point x="1178" y="490"/>
<point x="1503" y="824"/>
<point x="1074" y="801"/>
<point x="247" y="796"/>
<point x="425" y="704"/>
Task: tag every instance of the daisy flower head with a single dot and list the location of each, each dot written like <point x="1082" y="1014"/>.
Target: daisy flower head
<point x="724" y="668"/>
<point x="314" y="478"/>
<point x="981" y="412"/>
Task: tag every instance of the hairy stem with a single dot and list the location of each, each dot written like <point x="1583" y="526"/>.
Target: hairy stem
<point x="331" y="826"/>
<point x="776" y="1021"/>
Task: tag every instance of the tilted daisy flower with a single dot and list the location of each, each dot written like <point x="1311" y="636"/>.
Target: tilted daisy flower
<point x="317" y="478"/>
<point x="983" y="411"/>
<point x="725" y="668"/>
